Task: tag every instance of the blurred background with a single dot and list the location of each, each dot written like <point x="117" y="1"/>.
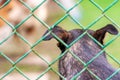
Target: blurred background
<point x="20" y="30"/>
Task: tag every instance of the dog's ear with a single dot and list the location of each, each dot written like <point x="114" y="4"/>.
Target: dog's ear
<point x="48" y="36"/>
<point x="100" y="33"/>
<point x="58" y="31"/>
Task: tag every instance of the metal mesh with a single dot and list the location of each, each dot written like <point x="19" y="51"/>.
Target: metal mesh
<point x="14" y="28"/>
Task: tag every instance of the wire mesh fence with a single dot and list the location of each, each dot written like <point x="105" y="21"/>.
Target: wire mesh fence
<point x="14" y="63"/>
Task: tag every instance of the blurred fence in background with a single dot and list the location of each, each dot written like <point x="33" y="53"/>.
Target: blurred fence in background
<point x="22" y="22"/>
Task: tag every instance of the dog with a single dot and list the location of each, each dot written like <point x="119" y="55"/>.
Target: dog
<point x="85" y="49"/>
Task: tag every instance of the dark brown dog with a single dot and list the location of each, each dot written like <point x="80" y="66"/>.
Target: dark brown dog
<point x="85" y="49"/>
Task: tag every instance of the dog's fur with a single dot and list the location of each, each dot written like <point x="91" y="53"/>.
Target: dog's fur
<point x="85" y="49"/>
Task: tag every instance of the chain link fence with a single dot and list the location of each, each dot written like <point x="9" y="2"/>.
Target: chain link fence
<point x="14" y="66"/>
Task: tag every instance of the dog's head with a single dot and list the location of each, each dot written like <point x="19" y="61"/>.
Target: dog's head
<point x="66" y="35"/>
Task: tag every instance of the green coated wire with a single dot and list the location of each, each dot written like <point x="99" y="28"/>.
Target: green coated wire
<point x="25" y="76"/>
<point x="26" y="5"/>
<point x="113" y="74"/>
<point x="14" y="31"/>
<point x="5" y="39"/>
<point x="22" y="57"/>
<point x="8" y="23"/>
<point x="7" y="73"/>
<point x="5" y="4"/>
